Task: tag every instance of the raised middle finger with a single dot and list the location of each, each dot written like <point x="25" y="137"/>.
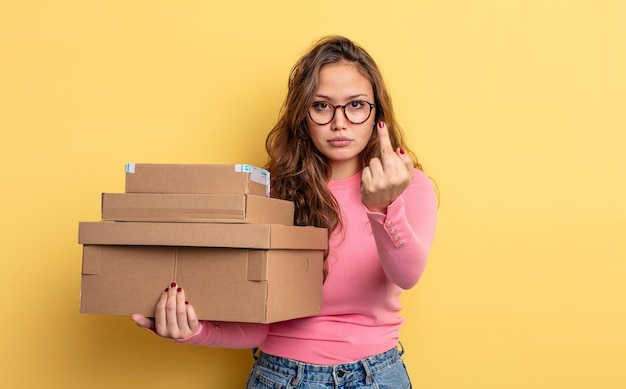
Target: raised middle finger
<point x="384" y="141"/>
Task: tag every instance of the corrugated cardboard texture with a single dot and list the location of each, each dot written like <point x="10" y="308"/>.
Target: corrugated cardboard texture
<point x="261" y="236"/>
<point x="190" y="179"/>
<point x="215" y="208"/>
<point x="241" y="285"/>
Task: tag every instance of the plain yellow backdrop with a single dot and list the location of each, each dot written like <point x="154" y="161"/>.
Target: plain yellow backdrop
<point x="515" y="108"/>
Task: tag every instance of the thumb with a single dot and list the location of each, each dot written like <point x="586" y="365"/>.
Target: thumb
<point x="142" y="321"/>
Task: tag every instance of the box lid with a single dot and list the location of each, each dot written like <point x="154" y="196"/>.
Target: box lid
<point x="261" y="236"/>
<point x="196" y="208"/>
<point x="197" y="178"/>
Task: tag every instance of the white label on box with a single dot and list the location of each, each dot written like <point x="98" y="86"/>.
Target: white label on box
<point x="130" y="168"/>
<point x="258" y="175"/>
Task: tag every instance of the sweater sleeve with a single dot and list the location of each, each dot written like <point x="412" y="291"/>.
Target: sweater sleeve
<point x="405" y="234"/>
<point x="227" y="335"/>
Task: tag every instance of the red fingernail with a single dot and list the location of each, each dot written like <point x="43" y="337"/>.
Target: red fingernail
<point x="380" y="124"/>
<point x="186" y="302"/>
<point x="179" y="290"/>
<point x="167" y="290"/>
<point x="401" y="151"/>
<point x="173" y="285"/>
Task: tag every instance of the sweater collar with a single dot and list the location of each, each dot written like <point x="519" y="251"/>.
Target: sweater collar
<point x="347" y="182"/>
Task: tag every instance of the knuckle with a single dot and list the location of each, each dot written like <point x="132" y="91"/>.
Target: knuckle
<point x="171" y="303"/>
<point x="170" y="311"/>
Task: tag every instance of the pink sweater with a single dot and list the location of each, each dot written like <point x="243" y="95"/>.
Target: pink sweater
<point x="371" y="261"/>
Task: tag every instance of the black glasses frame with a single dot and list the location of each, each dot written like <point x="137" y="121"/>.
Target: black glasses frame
<point x="343" y="108"/>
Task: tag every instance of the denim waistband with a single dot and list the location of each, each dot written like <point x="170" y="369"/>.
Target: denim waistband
<point x="301" y="371"/>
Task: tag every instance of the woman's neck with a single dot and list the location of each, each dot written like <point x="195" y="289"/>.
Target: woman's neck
<point x="342" y="170"/>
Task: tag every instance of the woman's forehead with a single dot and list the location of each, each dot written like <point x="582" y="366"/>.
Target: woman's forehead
<point x="343" y="80"/>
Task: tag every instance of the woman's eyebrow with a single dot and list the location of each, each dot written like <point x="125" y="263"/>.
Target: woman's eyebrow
<point x="348" y="98"/>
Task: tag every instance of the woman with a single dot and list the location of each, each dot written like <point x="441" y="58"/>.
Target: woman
<point x="338" y="154"/>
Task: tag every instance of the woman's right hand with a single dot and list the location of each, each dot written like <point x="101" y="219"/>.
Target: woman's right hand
<point x="174" y="317"/>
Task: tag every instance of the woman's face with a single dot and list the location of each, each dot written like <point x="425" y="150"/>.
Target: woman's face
<point x="340" y="140"/>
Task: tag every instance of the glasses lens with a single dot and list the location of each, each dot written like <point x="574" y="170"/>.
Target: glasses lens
<point x="358" y="111"/>
<point x="321" y="113"/>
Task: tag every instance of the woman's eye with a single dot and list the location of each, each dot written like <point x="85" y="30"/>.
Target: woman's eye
<point x="356" y="104"/>
<point x="321" y="106"/>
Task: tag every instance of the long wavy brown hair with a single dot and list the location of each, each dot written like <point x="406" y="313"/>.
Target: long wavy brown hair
<point x="299" y="172"/>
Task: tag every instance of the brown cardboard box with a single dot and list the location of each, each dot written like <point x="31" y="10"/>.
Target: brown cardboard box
<point x="241" y="285"/>
<point x="248" y="267"/>
<point x="259" y="236"/>
<point x="194" y="178"/>
<point x="216" y="208"/>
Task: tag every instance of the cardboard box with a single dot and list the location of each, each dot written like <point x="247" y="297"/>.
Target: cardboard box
<point x="259" y="236"/>
<point x="216" y="208"/>
<point x="197" y="179"/>
<point x="242" y="285"/>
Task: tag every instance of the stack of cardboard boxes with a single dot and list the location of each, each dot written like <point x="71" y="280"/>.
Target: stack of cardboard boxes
<point x="212" y="229"/>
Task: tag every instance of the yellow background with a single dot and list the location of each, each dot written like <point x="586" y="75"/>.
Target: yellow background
<point x="516" y="108"/>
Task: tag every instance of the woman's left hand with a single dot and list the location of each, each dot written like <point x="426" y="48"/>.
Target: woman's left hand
<point x="386" y="177"/>
<point x="174" y="317"/>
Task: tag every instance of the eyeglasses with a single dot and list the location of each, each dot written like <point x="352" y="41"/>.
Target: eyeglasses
<point x="356" y="111"/>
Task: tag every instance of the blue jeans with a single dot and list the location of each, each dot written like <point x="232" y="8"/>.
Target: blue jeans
<point x="382" y="371"/>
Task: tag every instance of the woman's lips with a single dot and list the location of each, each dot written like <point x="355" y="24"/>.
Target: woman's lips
<point x="339" y="141"/>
